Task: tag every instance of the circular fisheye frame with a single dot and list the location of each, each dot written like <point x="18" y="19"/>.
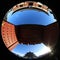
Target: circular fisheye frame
<point x="30" y="30"/>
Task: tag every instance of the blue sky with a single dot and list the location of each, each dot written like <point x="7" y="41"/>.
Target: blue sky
<point x="37" y="49"/>
<point x="30" y="17"/>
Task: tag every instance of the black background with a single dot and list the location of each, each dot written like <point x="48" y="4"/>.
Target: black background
<point x="5" y="5"/>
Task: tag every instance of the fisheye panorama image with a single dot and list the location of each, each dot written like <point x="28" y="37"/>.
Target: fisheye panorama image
<point x="30" y="30"/>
